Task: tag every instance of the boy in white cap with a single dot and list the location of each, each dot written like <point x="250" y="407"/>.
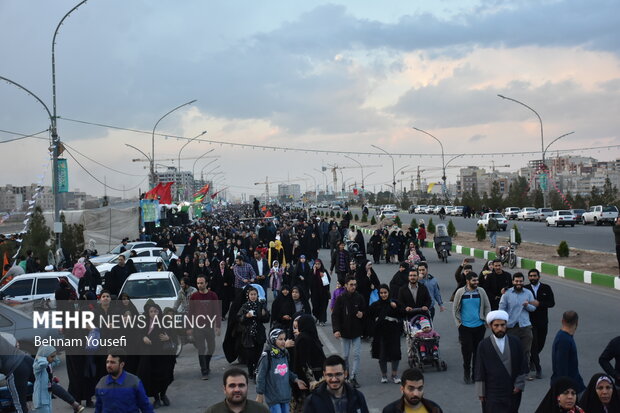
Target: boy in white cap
<point x="500" y="368"/>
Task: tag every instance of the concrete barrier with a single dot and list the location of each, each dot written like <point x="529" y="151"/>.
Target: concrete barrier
<point x="575" y="274"/>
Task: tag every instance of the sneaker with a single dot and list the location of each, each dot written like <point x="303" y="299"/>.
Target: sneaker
<point x="538" y="374"/>
<point x="467" y="379"/>
<point x="395" y="380"/>
<point x="205" y="377"/>
<point x="384" y="379"/>
<point x="354" y="383"/>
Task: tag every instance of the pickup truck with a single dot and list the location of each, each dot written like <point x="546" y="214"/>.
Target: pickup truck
<point x="599" y="214"/>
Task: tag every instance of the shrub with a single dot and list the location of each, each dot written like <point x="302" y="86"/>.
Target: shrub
<point x="414" y="223"/>
<point x="373" y="221"/>
<point x="563" y="249"/>
<point x="356" y="218"/>
<point x="331" y="214"/>
<point x="481" y="233"/>
<point x="517" y="234"/>
<point x="430" y="228"/>
<point x="364" y="218"/>
<point x="451" y="229"/>
<point x="338" y="214"/>
<point x="398" y="222"/>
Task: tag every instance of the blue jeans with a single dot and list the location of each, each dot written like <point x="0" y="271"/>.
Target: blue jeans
<point x="279" y="408"/>
<point x="493" y="238"/>
<point x="356" y="343"/>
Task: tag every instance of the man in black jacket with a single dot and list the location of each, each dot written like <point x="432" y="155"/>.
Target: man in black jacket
<point x="261" y="268"/>
<point x="115" y="279"/>
<point x="348" y="325"/>
<point x="611" y="352"/>
<point x="334" y="391"/>
<point x="414" y="297"/>
<point x="412" y="388"/>
<point x="496" y="283"/>
<point x="539" y="318"/>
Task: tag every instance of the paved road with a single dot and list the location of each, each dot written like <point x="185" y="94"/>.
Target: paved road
<point x="587" y="237"/>
<point x="597" y="308"/>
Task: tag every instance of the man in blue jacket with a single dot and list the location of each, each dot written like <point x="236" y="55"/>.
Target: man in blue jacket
<point x="119" y="391"/>
<point x="334" y="391"/>
<point x="565" y="362"/>
<point x="432" y="286"/>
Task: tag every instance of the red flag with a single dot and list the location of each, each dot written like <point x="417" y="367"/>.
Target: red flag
<point x="165" y="197"/>
<point x="5" y="261"/>
<point x="202" y="191"/>
<point x="152" y="194"/>
<point x="268" y="214"/>
<point x="354" y="191"/>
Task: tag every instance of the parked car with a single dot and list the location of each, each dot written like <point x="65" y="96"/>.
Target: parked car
<point x="429" y="209"/>
<point x="160" y="286"/>
<point x="561" y="217"/>
<point x="501" y="220"/>
<point x="140" y="252"/>
<point x="578" y="214"/>
<point x="412" y="209"/>
<point x="35" y="286"/>
<point x="527" y="213"/>
<point x="457" y="211"/>
<point x="511" y="212"/>
<point x="143" y="264"/>
<point x="438" y="208"/>
<point x="335" y="207"/>
<point x="420" y="209"/>
<point x="388" y="214"/>
<point x="600" y="214"/>
<point x="390" y="207"/>
<point x="544" y="213"/>
<point x="449" y="210"/>
<point x="19" y="323"/>
<point x="117" y="250"/>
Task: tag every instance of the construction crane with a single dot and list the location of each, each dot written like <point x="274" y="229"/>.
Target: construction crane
<point x="267" y="182"/>
<point x="173" y="159"/>
<point x="493" y="166"/>
<point x="334" y="168"/>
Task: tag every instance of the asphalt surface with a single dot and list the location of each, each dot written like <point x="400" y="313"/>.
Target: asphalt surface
<point x="588" y="237"/>
<point x="597" y="308"/>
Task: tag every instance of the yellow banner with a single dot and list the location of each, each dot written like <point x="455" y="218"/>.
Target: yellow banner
<point x="430" y="188"/>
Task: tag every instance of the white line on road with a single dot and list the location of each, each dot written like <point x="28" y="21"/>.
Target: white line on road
<point x="327" y="342"/>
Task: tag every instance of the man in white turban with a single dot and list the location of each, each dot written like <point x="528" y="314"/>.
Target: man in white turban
<point x="500" y="368"/>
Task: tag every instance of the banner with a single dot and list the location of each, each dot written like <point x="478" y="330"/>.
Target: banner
<point x="149" y="210"/>
<point x="63" y="176"/>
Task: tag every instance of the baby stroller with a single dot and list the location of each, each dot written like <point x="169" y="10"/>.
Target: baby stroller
<point x="355" y="253"/>
<point x="443" y="242"/>
<point x="414" y="354"/>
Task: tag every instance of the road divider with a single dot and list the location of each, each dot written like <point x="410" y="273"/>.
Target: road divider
<point x="575" y="274"/>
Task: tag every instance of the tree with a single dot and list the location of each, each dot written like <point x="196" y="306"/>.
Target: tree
<point x="476" y="202"/>
<point x="563" y="250"/>
<point x="556" y="201"/>
<point x="38" y="236"/>
<point x="431" y="226"/>
<point x="610" y="193"/>
<point x="580" y="202"/>
<point x="481" y="233"/>
<point x="451" y="229"/>
<point x="536" y="198"/>
<point x="518" y="193"/>
<point x="356" y="218"/>
<point x="398" y="222"/>
<point x="364" y="218"/>
<point x="570" y="201"/>
<point x="596" y="197"/>
<point x="495" y="199"/>
<point x="373" y="220"/>
<point x="370" y="197"/>
<point x="414" y="223"/>
<point x="72" y="239"/>
<point x="484" y="202"/>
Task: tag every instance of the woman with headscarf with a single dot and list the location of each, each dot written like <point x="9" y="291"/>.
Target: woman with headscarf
<point x="44" y="362"/>
<point x="252" y="315"/>
<point x="319" y="291"/>
<point x="174" y="268"/>
<point x="402" y="245"/>
<point x="276" y="252"/>
<point x="124" y="304"/>
<point x="601" y="396"/>
<point x="393" y="248"/>
<point x="385" y="315"/>
<point x="282" y="310"/>
<point x="561" y="398"/>
<point x="308" y="358"/>
<point x="301" y="275"/>
<point x="302" y="306"/>
<point x="156" y="367"/>
<point x="275" y="278"/>
<point x="375" y="244"/>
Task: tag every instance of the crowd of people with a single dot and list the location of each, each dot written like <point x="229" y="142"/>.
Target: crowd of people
<point x="274" y="292"/>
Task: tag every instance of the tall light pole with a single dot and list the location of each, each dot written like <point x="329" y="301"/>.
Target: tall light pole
<point x="152" y="170"/>
<point x="542" y="143"/>
<point x="199" y="158"/>
<point x="443" y="162"/>
<point x="325" y="177"/>
<point x="393" y="169"/>
<point x="316" y="188"/>
<point x="179" y="174"/>
<point x="362" y="168"/>
<point x="555" y="140"/>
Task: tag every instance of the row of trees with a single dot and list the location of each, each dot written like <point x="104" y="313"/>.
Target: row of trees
<point x="519" y="195"/>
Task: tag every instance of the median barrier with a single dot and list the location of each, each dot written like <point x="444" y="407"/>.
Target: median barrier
<point x="575" y="274"/>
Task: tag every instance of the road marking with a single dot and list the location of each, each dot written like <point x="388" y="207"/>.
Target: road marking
<point x="325" y="340"/>
<point x="587" y="277"/>
<point x="561" y="271"/>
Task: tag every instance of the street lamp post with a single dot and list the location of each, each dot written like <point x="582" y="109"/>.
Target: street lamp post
<point x="553" y="141"/>
<point x="393" y="169"/>
<point x="362" y="168"/>
<point x="179" y="174"/>
<point x="324" y="176"/>
<point x="316" y="188"/>
<point x="152" y="169"/>
<point x="443" y="162"/>
<point x="542" y="141"/>
<point x="199" y="158"/>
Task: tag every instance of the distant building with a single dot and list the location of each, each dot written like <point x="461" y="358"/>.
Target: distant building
<point x="15" y="198"/>
<point x="289" y="191"/>
<point x="183" y="182"/>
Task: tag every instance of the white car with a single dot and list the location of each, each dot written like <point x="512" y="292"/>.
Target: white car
<point x="143" y="264"/>
<point x="511" y="212"/>
<point x="388" y="214"/>
<point x="390" y="207"/>
<point x="140" y="252"/>
<point x="527" y="213"/>
<point x="457" y="211"/>
<point x="335" y="207"/>
<point x="562" y="217"/>
<point x="162" y="287"/>
<point x="544" y="213"/>
<point x="117" y="250"/>
<point x="37" y="285"/>
<point x="501" y="220"/>
<point x="429" y="209"/>
<point x="449" y="209"/>
<point x="420" y="209"/>
<point x="438" y="208"/>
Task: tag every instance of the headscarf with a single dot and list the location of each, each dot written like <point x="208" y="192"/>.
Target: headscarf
<point x="590" y="401"/>
<point x="549" y="403"/>
<point x="307" y="327"/>
<point x="46" y="351"/>
<point x="79" y="270"/>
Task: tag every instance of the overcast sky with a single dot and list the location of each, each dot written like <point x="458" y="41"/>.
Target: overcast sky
<point x="335" y="75"/>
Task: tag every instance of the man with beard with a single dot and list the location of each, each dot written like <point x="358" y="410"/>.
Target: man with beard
<point x="120" y="391"/>
<point x="539" y="318"/>
<point x="414" y="297"/>
<point x="500" y="368"/>
<point x="115" y="279"/>
<point x="334" y="395"/>
<point x="496" y="283"/>
<point x="236" y="392"/>
<point x="412" y="388"/>
<point x="519" y="302"/>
